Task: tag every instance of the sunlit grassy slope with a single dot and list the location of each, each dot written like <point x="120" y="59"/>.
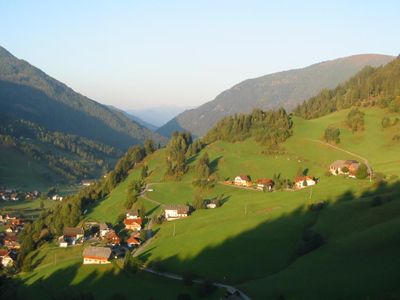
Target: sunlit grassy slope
<point x="253" y="239"/>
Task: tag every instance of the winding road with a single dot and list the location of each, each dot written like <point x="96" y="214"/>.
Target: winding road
<point x="231" y="289"/>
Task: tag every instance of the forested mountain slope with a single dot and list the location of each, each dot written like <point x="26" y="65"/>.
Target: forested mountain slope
<point x="28" y="93"/>
<point x="284" y="89"/>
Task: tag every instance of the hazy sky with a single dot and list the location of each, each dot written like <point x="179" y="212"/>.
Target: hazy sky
<point x="136" y="54"/>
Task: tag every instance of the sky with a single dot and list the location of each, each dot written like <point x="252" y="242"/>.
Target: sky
<point x="140" y="54"/>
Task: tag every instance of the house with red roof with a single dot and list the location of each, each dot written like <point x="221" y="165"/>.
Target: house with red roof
<point x="302" y="182"/>
<point x="112" y="238"/>
<point x="133" y="224"/>
<point x="132" y="242"/>
<point x="265" y="184"/>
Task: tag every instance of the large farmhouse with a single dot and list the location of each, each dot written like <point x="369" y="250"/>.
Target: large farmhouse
<point x="175" y="211"/>
<point x="96" y="255"/>
<point x="242" y="180"/>
<point x="346" y="167"/>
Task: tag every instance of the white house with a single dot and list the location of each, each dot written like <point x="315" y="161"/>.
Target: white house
<point x="304" y="181"/>
<point x="176" y="211"/>
<point x="242" y="180"/>
<point x="57" y="198"/>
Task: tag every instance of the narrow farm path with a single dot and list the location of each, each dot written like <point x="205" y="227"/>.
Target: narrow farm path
<point x="143" y="194"/>
<point x="229" y="288"/>
<point x="340" y="149"/>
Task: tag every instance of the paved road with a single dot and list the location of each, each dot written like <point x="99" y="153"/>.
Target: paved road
<point x="229" y="288"/>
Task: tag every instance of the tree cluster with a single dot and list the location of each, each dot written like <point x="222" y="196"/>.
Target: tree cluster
<point x="355" y="120"/>
<point x="370" y="87"/>
<point x="176" y="154"/>
<point x="266" y="127"/>
<point x="332" y="135"/>
<point x="203" y="171"/>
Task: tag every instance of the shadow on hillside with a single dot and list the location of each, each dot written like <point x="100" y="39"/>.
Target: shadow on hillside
<point x="214" y="164"/>
<point x="264" y="250"/>
<point x="17" y="101"/>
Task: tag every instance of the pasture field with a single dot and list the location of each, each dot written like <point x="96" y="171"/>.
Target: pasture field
<point x="275" y="244"/>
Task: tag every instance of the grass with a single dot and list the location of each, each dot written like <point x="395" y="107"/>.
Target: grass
<point x="63" y="273"/>
<point x="253" y="239"/>
<point x="18" y="171"/>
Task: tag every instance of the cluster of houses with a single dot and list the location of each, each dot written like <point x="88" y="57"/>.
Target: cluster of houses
<point x="9" y="241"/>
<point x="102" y="233"/>
<point x="266" y="184"/>
<point x="7" y="194"/>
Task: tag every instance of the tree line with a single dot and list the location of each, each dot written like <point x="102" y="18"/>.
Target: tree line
<point x="370" y="87"/>
<point x="266" y="127"/>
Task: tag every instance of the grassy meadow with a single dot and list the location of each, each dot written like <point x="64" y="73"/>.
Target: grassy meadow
<point x="272" y="244"/>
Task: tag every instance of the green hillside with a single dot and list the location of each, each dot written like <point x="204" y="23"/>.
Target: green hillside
<point x="54" y="135"/>
<point x="253" y="240"/>
<point x="28" y="93"/>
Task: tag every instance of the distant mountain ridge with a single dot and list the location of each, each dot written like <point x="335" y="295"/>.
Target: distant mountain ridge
<point x="157" y="116"/>
<point x="283" y="89"/>
<point x="135" y="118"/>
<point x="30" y="94"/>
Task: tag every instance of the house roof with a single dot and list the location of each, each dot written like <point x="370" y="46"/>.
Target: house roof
<point x="266" y="181"/>
<point x="3" y="252"/>
<point x="111" y="235"/>
<point x="11" y="238"/>
<point x="302" y="178"/>
<point x="182" y="209"/>
<point x="133" y="240"/>
<point x="133" y="221"/>
<point x="97" y="252"/>
<point x="343" y="163"/>
<point x="244" y="177"/>
<point x="72" y="231"/>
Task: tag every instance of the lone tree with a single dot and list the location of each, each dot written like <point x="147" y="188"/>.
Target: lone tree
<point x="332" y="134"/>
<point x="362" y="172"/>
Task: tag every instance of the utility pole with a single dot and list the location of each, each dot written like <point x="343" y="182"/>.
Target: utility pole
<point x="245" y="209"/>
<point x="310" y="192"/>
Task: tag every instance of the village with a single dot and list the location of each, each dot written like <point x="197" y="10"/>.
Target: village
<point x="103" y="242"/>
